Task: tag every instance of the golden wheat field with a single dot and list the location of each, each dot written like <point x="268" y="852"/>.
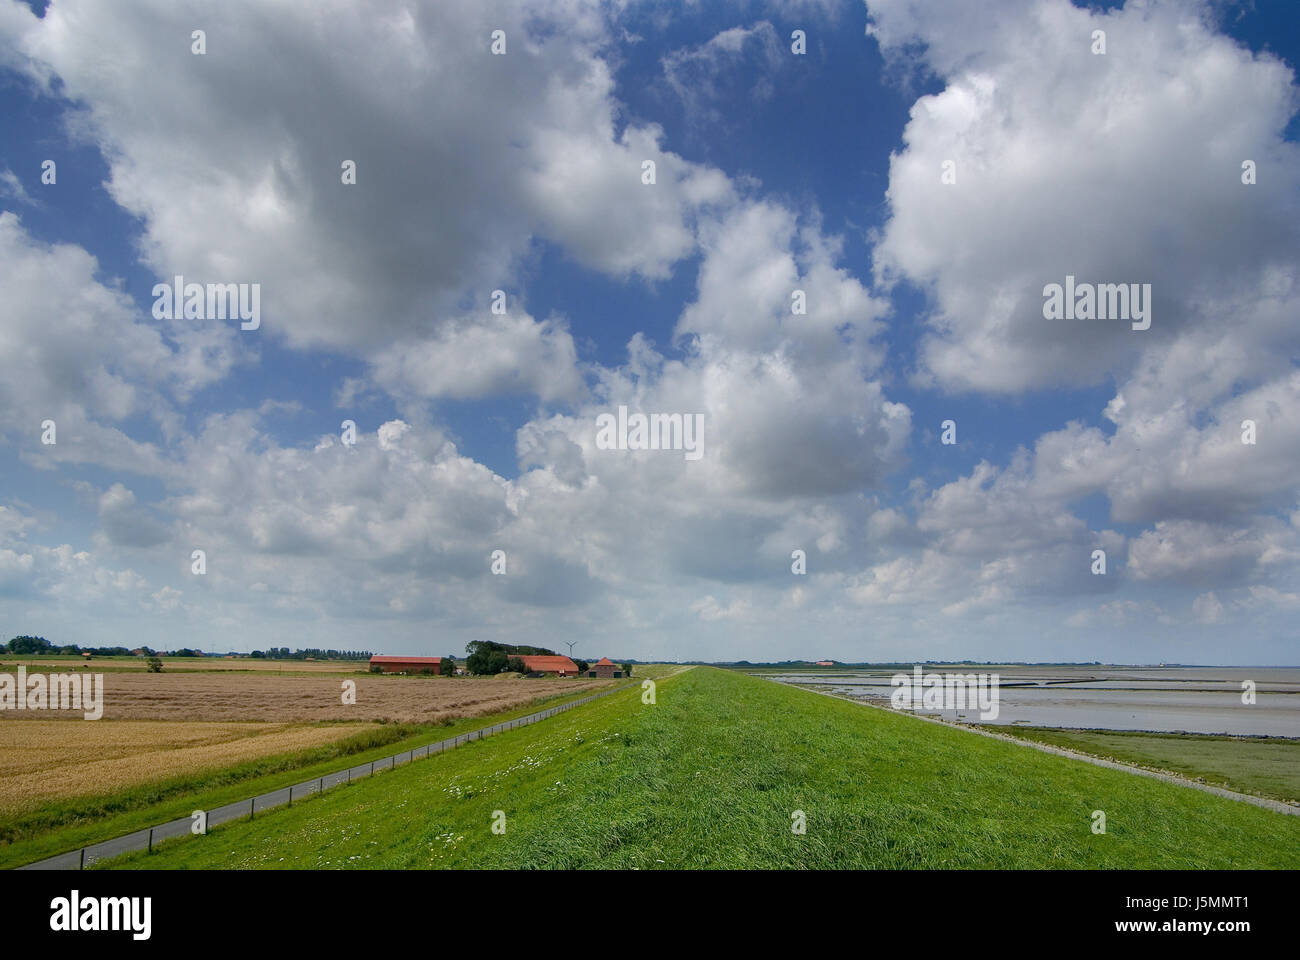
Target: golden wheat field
<point x="44" y="759"/>
<point x="242" y="697"/>
<point x="157" y="726"/>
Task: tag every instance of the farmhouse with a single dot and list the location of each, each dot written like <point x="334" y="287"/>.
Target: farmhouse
<point x="405" y="664"/>
<point x="605" y="668"/>
<point x="559" y="666"/>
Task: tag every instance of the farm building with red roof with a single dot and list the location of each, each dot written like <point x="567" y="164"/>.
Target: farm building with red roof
<point x="381" y="664"/>
<point x="606" y="669"/>
<point x="560" y="666"/>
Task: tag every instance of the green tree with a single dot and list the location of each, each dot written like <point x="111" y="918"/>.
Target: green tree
<point x="155" y="665"/>
<point x="448" y="666"/>
<point x="27" y="645"/>
<point x="485" y="662"/>
<point x="583" y="666"/>
<point x="515" y="665"/>
<point x="627" y="669"/>
<point x="521" y="650"/>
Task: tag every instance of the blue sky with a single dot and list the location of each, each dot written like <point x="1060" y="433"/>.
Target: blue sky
<point x="776" y="170"/>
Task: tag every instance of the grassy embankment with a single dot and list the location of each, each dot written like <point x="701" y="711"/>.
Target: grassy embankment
<point x="1265" y="767"/>
<point x="710" y="777"/>
<point x="76" y="821"/>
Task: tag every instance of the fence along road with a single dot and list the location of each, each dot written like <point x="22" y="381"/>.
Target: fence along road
<point x="145" y="838"/>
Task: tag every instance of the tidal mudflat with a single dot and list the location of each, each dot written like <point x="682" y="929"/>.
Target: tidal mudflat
<point x="1164" y="699"/>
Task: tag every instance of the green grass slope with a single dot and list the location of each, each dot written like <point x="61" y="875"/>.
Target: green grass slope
<point x="710" y="776"/>
<point x="1266" y="767"/>
<point x="79" y="821"/>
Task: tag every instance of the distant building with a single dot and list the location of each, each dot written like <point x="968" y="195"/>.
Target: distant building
<point x="558" y="666"/>
<point x="825" y="663"/>
<point x="406" y="664"/>
<point x="605" y="668"/>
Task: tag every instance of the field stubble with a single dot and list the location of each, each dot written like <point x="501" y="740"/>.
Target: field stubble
<point x="43" y="759"/>
<point x="160" y="726"/>
<point x="225" y="697"/>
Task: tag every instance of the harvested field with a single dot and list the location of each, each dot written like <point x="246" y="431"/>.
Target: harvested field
<point x="256" y="697"/>
<point x="48" y="759"/>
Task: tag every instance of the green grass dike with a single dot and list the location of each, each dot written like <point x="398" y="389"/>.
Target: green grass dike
<point x="712" y="775"/>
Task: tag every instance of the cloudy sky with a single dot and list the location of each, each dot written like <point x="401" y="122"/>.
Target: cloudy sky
<point x="919" y="172"/>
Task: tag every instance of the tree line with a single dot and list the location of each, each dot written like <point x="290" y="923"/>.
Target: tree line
<point x="28" y="645"/>
<point x="284" y="653"/>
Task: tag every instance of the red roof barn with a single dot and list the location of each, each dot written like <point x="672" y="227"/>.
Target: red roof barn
<point x="406" y="664"/>
<point x="605" y="668"/>
<point x="560" y="666"/>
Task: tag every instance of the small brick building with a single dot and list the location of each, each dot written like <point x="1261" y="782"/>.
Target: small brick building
<point x="606" y="669"/>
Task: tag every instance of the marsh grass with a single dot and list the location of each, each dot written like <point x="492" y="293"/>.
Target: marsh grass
<point x="1264" y="766"/>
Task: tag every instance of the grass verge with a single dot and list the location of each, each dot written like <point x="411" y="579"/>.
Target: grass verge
<point x="1263" y="766"/>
